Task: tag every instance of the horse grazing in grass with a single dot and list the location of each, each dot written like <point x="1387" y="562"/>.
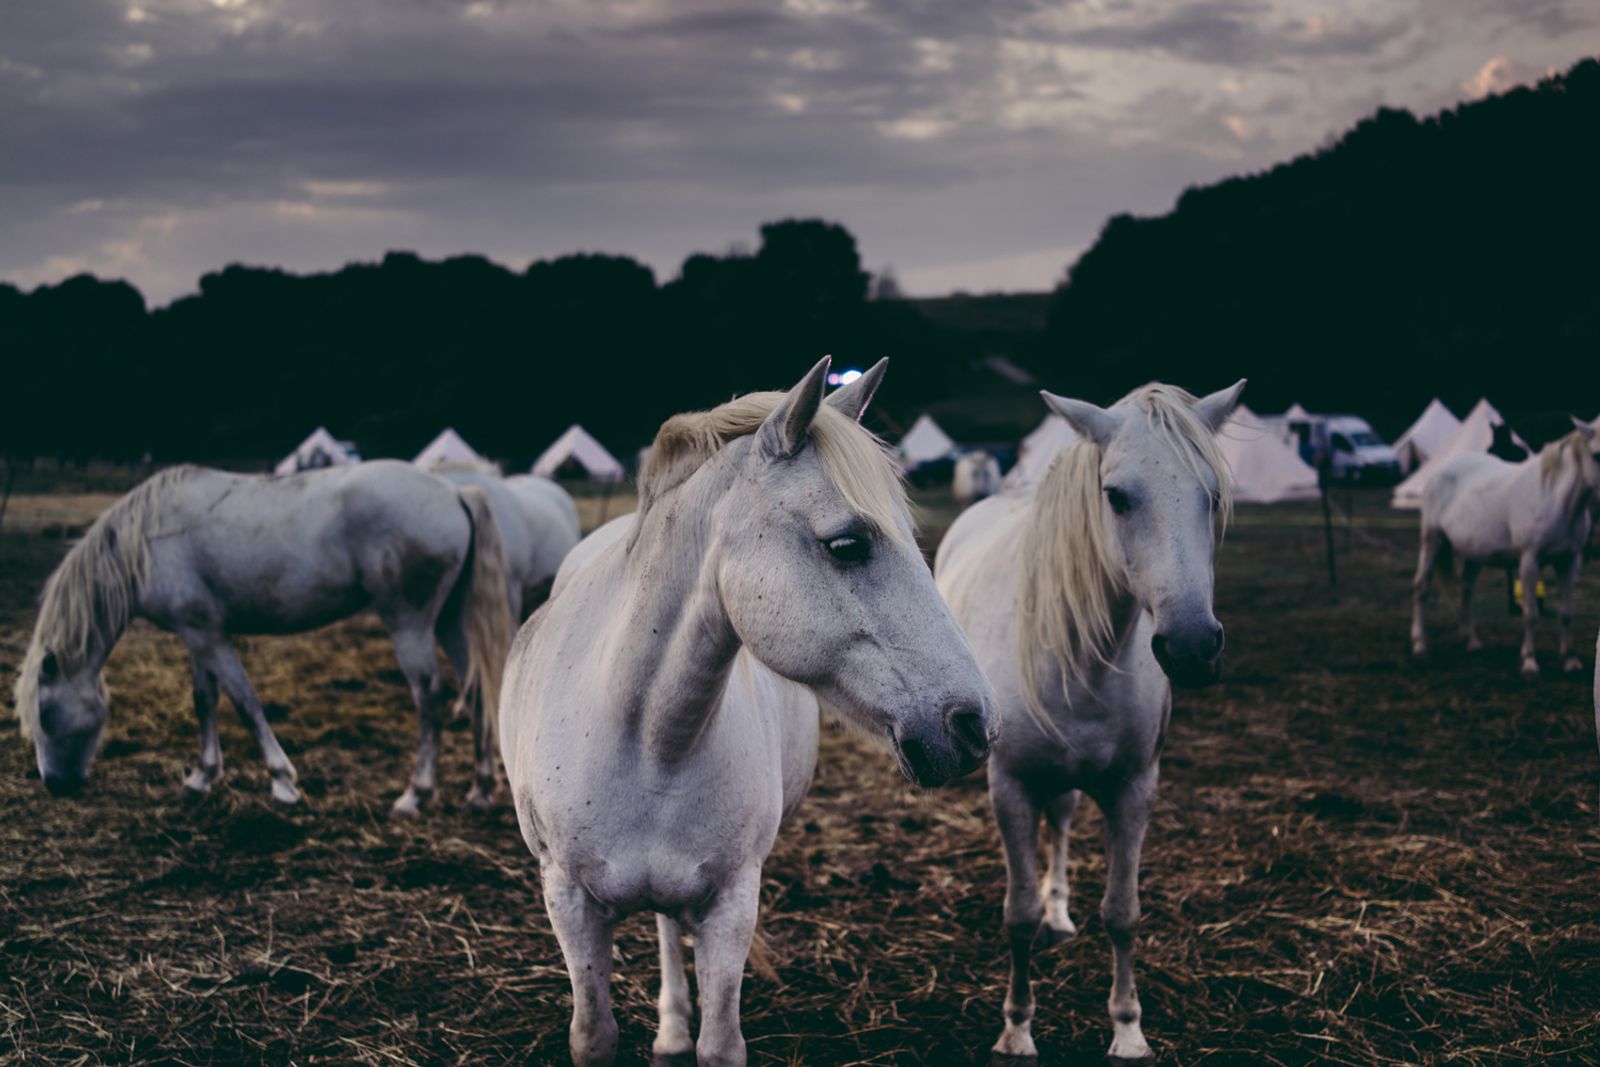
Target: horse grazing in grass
<point x="538" y="526"/>
<point x="977" y="475"/>
<point x="1523" y="515"/>
<point x="660" y="712"/>
<point x="1085" y="597"/>
<point x="205" y="554"/>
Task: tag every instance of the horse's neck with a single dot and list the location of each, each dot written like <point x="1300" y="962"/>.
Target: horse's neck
<point x="1568" y="493"/>
<point x="680" y="645"/>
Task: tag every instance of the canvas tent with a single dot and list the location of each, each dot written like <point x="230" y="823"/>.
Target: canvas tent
<point x="319" y="450"/>
<point x="1038" y="449"/>
<point x="447" y="449"/>
<point x="578" y="446"/>
<point x="1475" y="434"/>
<point x="1266" y="469"/>
<point x="924" y="443"/>
<point x="1426" y="436"/>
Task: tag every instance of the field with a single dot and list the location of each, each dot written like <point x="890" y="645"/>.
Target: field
<point x="1355" y="860"/>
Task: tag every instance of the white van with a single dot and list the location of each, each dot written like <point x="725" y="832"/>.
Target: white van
<point x="1351" y="448"/>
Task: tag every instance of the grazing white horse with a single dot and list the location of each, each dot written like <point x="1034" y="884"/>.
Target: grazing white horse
<point x="977" y="476"/>
<point x="660" y="712"/>
<point x="1523" y="515"/>
<point x="538" y="526"/>
<point x="1082" y="597"/>
<point x="205" y="554"/>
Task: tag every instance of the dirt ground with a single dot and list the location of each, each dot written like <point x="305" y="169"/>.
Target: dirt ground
<point x="1355" y="860"/>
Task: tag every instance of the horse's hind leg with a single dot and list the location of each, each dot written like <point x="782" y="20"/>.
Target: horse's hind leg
<point x="1469" y="625"/>
<point x="1569" y="582"/>
<point x="1127" y="816"/>
<point x="219" y="658"/>
<point x="209" y="771"/>
<point x="453" y="636"/>
<point x="413" y="647"/>
<point x="1058" y="925"/>
<point x="1018" y="819"/>
<point x="1529" y="573"/>
<point x="1420" y="586"/>
<point x="585" y="931"/>
<point x="673" y="1042"/>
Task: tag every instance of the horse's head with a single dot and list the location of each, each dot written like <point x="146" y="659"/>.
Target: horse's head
<point x="64" y="712"/>
<point x="824" y="583"/>
<point x="1162" y="483"/>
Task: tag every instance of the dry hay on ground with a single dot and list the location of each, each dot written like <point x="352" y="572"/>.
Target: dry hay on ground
<point x="1354" y="861"/>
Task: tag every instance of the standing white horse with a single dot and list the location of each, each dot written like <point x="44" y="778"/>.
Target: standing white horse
<point x="1524" y="515"/>
<point x="660" y="712"/>
<point x="1082" y="597"/>
<point x="205" y="554"/>
<point x="977" y="476"/>
<point x="536" y="528"/>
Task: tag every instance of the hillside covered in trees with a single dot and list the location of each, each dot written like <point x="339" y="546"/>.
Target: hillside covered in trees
<point x="1455" y="255"/>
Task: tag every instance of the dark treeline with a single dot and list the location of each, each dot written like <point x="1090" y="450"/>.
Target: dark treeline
<point x="388" y="353"/>
<point x="1454" y="256"/>
<point x="1451" y="256"/>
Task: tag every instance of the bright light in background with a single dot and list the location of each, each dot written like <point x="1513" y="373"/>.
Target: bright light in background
<point x="843" y="377"/>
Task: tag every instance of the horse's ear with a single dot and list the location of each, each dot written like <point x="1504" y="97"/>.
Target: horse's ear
<point x="49" y="669"/>
<point x="1215" y="409"/>
<point x="1095" y="423"/>
<point x="784" y="433"/>
<point x="1586" y="428"/>
<point x="853" y="399"/>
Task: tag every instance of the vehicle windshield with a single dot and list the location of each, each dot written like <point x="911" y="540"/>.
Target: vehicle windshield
<point x="1363" y="439"/>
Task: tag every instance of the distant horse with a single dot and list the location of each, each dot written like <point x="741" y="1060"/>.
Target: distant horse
<point x="1525" y="515"/>
<point x="977" y="476"/>
<point x="205" y="554"/>
<point x="538" y="526"/>
<point x="1085" y="597"/>
<point x="660" y="712"/>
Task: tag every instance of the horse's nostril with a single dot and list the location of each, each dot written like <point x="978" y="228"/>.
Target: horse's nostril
<point x="968" y="731"/>
<point x="916" y="757"/>
<point x="1158" y="645"/>
<point x="1217" y="640"/>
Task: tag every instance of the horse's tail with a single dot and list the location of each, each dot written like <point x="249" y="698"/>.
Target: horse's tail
<point x="486" y="609"/>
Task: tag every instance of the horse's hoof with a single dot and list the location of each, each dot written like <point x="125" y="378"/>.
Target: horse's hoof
<point x="1574" y="665"/>
<point x="284" y="793"/>
<point x="1049" y="936"/>
<point x="1014" y="1047"/>
<point x="192" y="796"/>
<point x="479" y="801"/>
<point x="410" y="804"/>
<point x="673" y="1059"/>
<point x="1530" y="669"/>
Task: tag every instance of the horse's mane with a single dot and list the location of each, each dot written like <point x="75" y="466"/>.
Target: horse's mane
<point x="1561" y="453"/>
<point x="89" y="599"/>
<point x="1070" y="578"/>
<point x="852" y="459"/>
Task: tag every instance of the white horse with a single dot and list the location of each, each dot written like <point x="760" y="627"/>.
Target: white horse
<point x="660" y="712"/>
<point x="977" y="476"/>
<point x="1082" y="597"/>
<point x="1516" y="515"/>
<point x="538" y="526"/>
<point x="205" y="554"/>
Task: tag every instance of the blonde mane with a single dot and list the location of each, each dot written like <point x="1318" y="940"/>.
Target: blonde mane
<point x="1561" y="453"/>
<point x="1070" y="577"/>
<point x="89" y="599"/>
<point x="853" y="460"/>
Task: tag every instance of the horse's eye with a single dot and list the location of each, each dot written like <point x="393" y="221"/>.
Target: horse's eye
<point x="849" y="548"/>
<point x="1118" y="500"/>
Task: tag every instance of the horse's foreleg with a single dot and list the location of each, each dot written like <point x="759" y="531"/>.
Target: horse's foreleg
<point x="1420" y="586"/>
<point x="1569" y="583"/>
<point x="1018" y="820"/>
<point x="1529" y="573"/>
<point x="1127" y="816"/>
<point x="1058" y="925"/>
<point x="1469" y="628"/>
<point x="209" y="772"/>
<point x="585" y="932"/>
<point x="413" y="647"/>
<point x="222" y="661"/>
<point x="721" y="946"/>
<point x="673" y="1040"/>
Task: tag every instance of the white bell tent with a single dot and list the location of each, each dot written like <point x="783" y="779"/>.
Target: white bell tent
<point x="321" y="449"/>
<point x="1436" y="425"/>
<point x="1265" y="468"/>
<point x="578" y="446"/>
<point x="448" y="449"/>
<point x="924" y="443"/>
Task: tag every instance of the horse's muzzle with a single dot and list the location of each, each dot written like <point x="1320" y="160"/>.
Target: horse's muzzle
<point x="1192" y="658"/>
<point x="932" y="753"/>
<point x="64" y="785"/>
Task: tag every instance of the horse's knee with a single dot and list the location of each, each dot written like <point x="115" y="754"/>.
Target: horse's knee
<point x="1121" y="916"/>
<point x="1023" y="912"/>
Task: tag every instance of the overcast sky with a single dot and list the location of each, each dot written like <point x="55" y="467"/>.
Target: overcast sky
<point x="975" y="144"/>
